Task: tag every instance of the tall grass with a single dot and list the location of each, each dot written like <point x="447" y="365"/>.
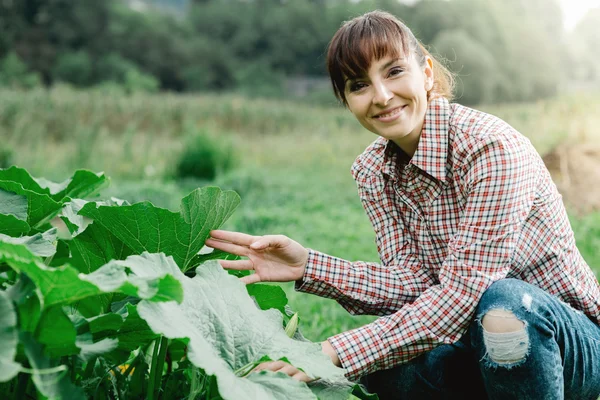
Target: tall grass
<point x="53" y="131"/>
<point x="294" y="162"/>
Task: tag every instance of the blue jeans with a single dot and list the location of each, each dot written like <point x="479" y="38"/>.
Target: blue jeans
<point x="556" y="356"/>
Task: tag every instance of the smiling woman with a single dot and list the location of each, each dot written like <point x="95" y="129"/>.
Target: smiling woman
<point x="481" y="290"/>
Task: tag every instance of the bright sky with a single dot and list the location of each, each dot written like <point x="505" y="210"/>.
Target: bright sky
<point x="575" y="9"/>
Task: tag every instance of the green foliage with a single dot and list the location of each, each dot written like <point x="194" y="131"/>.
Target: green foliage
<point x="118" y="70"/>
<point x="205" y="156"/>
<point x="6" y="157"/>
<point x="474" y="65"/>
<point x="587" y="232"/>
<point x="255" y="46"/>
<point x="74" y="68"/>
<point x="14" y="73"/>
<point x="131" y="323"/>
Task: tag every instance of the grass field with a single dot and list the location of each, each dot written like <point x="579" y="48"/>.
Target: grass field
<point x="292" y="171"/>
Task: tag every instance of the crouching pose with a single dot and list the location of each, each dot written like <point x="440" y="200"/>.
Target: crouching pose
<point x="481" y="290"/>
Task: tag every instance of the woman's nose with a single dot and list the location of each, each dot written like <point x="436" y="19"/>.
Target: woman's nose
<point x="382" y="94"/>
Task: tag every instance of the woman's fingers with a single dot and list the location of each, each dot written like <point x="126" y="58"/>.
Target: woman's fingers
<point x="233" y="237"/>
<point x="240" y="265"/>
<point x="254" y="278"/>
<point x="228" y="247"/>
<point x="282" y="366"/>
<point x="266" y="241"/>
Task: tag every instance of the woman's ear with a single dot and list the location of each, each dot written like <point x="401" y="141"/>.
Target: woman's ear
<point x="428" y="72"/>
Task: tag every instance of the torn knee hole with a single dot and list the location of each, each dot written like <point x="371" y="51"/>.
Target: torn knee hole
<point x="501" y="321"/>
<point x="505" y="337"/>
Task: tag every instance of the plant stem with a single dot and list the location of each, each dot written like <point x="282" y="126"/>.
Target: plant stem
<point x="153" y="370"/>
<point x="156" y="370"/>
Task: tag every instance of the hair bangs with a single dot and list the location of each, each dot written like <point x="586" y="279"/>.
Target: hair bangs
<point x="360" y="42"/>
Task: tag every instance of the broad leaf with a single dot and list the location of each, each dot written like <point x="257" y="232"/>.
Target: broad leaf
<point x="144" y="227"/>
<point x="57" y="333"/>
<point x="50" y="378"/>
<point x="268" y="296"/>
<point x="13" y="204"/>
<point x="227" y="331"/>
<point x="8" y="339"/>
<point x="40" y="207"/>
<point x="13" y="214"/>
<point x="12" y="226"/>
<point x="81" y="184"/>
<point x="77" y="223"/>
<point x="40" y="244"/>
<point x="66" y="285"/>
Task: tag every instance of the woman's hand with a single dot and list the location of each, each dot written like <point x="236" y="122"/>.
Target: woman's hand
<point x="273" y="258"/>
<point x="282" y="366"/>
<point x="290" y="370"/>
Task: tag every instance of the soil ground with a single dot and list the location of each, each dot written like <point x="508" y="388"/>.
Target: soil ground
<point x="576" y="172"/>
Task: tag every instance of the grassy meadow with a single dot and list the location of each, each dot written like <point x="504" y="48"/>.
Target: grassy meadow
<point x="292" y="163"/>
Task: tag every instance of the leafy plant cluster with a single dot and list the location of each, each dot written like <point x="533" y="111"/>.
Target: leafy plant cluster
<point x="111" y="300"/>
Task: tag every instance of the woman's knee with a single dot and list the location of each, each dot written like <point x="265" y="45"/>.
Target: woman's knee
<point x="500" y="327"/>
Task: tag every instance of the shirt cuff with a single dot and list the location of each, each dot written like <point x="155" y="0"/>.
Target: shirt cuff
<point x="358" y="350"/>
<point x="319" y="270"/>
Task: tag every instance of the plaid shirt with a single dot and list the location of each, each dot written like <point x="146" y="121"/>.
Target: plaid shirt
<point x="475" y="204"/>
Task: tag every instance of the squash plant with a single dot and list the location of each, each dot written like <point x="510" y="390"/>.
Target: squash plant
<point x="125" y="303"/>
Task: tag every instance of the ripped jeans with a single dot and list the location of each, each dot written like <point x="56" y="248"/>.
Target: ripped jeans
<point x="555" y="356"/>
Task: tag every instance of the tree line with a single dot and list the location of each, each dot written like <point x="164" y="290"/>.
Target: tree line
<point x="502" y="50"/>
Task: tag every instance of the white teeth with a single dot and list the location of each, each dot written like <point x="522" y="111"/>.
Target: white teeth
<point x="396" y="111"/>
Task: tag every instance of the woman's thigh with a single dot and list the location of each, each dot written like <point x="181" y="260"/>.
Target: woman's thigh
<point x="555" y="355"/>
<point x="446" y="372"/>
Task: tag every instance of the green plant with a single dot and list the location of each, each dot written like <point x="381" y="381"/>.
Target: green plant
<point x="130" y="307"/>
<point x="74" y="67"/>
<point x="15" y="73"/>
<point x="6" y="157"/>
<point x="205" y="156"/>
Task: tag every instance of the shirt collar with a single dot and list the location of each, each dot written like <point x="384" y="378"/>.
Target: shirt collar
<point x="432" y="151"/>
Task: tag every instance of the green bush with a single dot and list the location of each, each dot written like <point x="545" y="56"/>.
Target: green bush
<point x="205" y="156"/>
<point x="15" y="74"/>
<point x="114" y="69"/>
<point x="74" y="68"/>
<point x="6" y="158"/>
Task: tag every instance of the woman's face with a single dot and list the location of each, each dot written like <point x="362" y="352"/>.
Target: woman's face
<point x="391" y="100"/>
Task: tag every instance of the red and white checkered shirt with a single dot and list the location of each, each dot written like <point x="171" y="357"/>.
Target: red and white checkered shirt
<point x="475" y="204"/>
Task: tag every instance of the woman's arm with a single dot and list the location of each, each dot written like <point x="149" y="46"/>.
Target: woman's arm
<point x="499" y="179"/>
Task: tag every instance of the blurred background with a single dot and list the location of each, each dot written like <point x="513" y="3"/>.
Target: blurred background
<point x="168" y="95"/>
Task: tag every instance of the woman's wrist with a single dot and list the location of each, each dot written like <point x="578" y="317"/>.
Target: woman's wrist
<point x="328" y="349"/>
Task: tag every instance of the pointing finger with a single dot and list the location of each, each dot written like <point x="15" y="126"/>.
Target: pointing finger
<point x="239" y="265"/>
<point x="233" y="237"/>
<point x="228" y="247"/>
<point x="254" y="278"/>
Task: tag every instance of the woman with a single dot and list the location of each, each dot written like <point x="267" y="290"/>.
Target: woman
<point x="481" y="290"/>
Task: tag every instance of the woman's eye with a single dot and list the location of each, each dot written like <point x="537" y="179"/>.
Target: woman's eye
<point x="396" y="71"/>
<point x="356" y="86"/>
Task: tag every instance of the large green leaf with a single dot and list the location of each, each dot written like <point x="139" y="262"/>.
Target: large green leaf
<point x="40" y="207"/>
<point x="81" y="184"/>
<point x="12" y="226"/>
<point x="134" y="332"/>
<point x="8" y="339"/>
<point x="40" y="244"/>
<point x="227" y="331"/>
<point x="66" y="285"/>
<point x="57" y="333"/>
<point x="268" y="296"/>
<point x="50" y="378"/>
<point x="78" y="223"/>
<point x="144" y="227"/>
<point x="96" y="246"/>
<point x="13" y="204"/>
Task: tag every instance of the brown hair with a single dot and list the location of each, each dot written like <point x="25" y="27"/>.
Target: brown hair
<point x="372" y="36"/>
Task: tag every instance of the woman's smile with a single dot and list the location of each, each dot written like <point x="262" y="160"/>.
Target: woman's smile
<point x="390" y="115"/>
